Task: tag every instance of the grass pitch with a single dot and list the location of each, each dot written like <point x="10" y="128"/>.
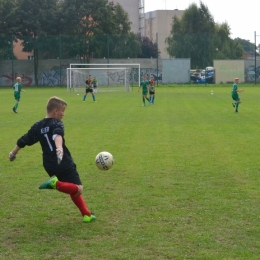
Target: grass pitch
<point x="185" y="183"/>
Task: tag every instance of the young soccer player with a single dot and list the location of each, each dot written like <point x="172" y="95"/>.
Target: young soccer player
<point x="57" y="160"/>
<point x="144" y="84"/>
<point x="89" y="89"/>
<point x="234" y="94"/>
<point x="95" y="84"/>
<point x="17" y="92"/>
<point x="151" y="89"/>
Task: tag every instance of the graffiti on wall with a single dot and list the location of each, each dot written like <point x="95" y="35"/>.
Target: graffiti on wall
<point x="252" y="74"/>
<point x="53" y="77"/>
<point x="6" y="79"/>
<point x="56" y="77"/>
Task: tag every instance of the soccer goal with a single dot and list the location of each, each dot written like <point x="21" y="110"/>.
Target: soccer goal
<point x="111" y="77"/>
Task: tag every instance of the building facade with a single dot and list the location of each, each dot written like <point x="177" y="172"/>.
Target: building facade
<point x="158" y="25"/>
<point x="135" y="10"/>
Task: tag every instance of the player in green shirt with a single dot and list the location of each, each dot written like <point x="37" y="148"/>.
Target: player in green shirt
<point x="234" y="94"/>
<point x="95" y="84"/>
<point x="144" y="84"/>
<point x="17" y="92"/>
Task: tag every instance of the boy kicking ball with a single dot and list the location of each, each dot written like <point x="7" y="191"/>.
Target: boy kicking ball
<point x="57" y="160"/>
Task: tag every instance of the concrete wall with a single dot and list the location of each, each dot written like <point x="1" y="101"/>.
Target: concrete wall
<point x="50" y="74"/>
<point x="227" y="70"/>
<point x="176" y="70"/>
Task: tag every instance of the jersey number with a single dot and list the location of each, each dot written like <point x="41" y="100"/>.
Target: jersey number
<point x="48" y="141"/>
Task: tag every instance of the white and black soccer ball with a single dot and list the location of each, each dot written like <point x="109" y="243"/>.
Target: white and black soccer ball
<point x="104" y="160"/>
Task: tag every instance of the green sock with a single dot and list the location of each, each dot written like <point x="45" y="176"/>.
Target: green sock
<point x="143" y="100"/>
<point x="237" y="103"/>
<point x="16" y="106"/>
<point x="148" y="99"/>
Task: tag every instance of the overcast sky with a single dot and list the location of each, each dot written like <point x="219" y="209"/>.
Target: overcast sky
<point x="243" y="17"/>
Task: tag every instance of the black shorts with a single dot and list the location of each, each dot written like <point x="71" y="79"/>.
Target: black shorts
<point x="151" y="92"/>
<point x="89" y="90"/>
<point x="70" y="175"/>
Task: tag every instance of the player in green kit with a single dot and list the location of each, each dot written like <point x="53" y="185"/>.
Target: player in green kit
<point x="17" y="92"/>
<point x="234" y="94"/>
<point x="95" y="84"/>
<point x="144" y="84"/>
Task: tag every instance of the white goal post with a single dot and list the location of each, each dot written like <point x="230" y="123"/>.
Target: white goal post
<point x="111" y="76"/>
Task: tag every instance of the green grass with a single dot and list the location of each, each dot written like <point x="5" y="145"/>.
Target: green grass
<point x="185" y="183"/>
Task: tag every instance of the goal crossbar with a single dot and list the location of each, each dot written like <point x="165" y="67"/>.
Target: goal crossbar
<point x="111" y="64"/>
<point x="69" y="73"/>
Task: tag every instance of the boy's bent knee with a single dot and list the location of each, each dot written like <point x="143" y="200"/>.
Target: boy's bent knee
<point x="80" y="190"/>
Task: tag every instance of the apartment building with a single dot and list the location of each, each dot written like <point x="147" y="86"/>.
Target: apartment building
<point x="160" y="23"/>
<point x="135" y="10"/>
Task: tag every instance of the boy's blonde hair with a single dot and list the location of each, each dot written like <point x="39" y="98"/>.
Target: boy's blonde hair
<point x="55" y="103"/>
<point x="18" y="78"/>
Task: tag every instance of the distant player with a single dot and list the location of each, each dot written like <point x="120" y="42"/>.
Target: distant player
<point x="17" y="92"/>
<point x="89" y="89"/>
<point x="151" y="89"/>
<point x="95" y="84"/>
<point x="144" y="85"/>
<point x="234" y="94"/>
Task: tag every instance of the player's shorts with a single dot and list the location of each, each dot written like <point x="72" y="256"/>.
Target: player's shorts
<point x="235" y="97"/>
<point x="151" y="92"/>
<point x="89" y="90"/>
<point x="145" y="92"/>
<point x="70" y="175"/>
<point x="17" y="96"/>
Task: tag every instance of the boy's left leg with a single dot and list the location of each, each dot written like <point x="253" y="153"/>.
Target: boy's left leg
<point x="74" y="191"/>
<point x="93" y="97"/>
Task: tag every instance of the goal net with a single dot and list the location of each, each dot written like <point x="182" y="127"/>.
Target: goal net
<point x="110" y="77"/>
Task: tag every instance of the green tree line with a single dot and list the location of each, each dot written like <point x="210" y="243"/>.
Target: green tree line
<point x="70" y="28"/>
<point x="197" y="36"/>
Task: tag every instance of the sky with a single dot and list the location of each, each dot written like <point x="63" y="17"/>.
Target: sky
<point x="241" y="16"/>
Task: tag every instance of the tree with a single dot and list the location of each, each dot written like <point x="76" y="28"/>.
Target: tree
<point x="246" y="44"/>
<point x="198" y="37"/>
<point x="149" y="49"/>
<point x="8" y="24"/>
<point x="35" y="21"/>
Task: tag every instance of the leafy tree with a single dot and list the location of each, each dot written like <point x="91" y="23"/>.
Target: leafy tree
<point x="196" y="36"/>
<point x="149" y="49"/>
<point x="8" y="23"/>
<point x="35" y="21"/>
<point x="102" y="29"/>
<point x="246" y="44"/>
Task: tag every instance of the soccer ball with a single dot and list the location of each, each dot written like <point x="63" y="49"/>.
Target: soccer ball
<point x="104" y="160"/>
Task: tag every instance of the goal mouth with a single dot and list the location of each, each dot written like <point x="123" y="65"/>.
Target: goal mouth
<point x="109" y="77"/>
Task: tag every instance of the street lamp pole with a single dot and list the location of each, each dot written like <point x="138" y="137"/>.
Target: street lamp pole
<point x="255" y="55"/>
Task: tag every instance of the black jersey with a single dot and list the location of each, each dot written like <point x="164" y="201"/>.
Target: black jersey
<point x="88" y="83"/>
<point x="43" y="131"/>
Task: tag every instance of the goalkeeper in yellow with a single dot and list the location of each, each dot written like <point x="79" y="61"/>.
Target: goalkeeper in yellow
<point x="144" y="85"/>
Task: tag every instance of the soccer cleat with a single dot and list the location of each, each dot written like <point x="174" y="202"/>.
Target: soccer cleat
<point x="88" y="219"/>
<point x="14" y="110"/>
<point x="50" y="184"/>
<point x="233" y="104"/>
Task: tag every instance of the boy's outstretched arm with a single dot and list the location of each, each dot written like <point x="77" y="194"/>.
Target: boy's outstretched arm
<point x="12" y="154"/>
<point x="59" y="150"/>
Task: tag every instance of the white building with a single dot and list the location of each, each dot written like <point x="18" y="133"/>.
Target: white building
<point x="160" y="23"/>
<point x="135" y="10"/>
